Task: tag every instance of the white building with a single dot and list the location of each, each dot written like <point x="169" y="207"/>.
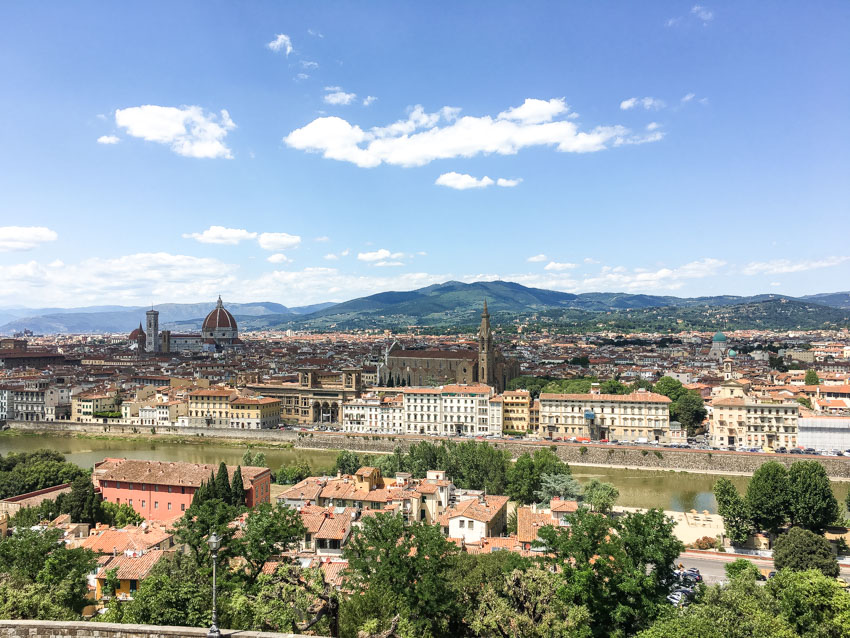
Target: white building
<point x="753" y="422"/>
<point x="457" y="409"/>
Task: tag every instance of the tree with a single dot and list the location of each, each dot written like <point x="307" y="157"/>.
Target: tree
<point x="670" y="387"/>
<point x="733" y="509"/>
<point x="222" y="484"/>
<point x="400" y="569"/>
<point x="806" y="402"/>
<point x="29" y="471"/>
<point x="563" y="486"/>
<point x="741" y="568"/>
<point x="811" y="377"/>
<point x="600" y="496"/>
<point x="526" y="603"/>
<point x="347" y="462"/>
<point x="620" y="570"/>
<point x="83" y="504"/>
<point x="269" y="530"/>
<point x="799" y="549"/>
<point x="195" y="526"/>
<point x="260" y="459"/>
<point x="813" y="505"/>
<point x="237" y="488"/>
<point x="767" y="498"/>
<point x="119" y="514"/>
<point x="612" y="386"/>
<point x="212" y="488"/>
<point x="291" y="474"/>
<point x="247" y="458"/>
<point x="522" y="479"/>
<point x="689" y="410"/>
<point x="812" y="603"/>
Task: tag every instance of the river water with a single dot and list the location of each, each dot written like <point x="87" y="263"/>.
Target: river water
<point x="679" y="491"/>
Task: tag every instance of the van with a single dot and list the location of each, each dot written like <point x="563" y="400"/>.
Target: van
<point x="641" y="441"/>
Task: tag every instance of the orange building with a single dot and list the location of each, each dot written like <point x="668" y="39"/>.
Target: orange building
<point x="161" y="491"/>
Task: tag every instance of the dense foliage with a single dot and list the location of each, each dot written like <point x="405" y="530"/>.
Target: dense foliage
<point x="22" y="472"/>
<point x="801" y="550"/>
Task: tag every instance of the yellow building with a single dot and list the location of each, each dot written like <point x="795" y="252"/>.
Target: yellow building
<point x="255" y="413"/>
<point x="210" y="408"/>
<point x="517" y="410"/>
<point x="754" y="422"/>
<point x="84" y="406"/>
<point x="131" y="568"/>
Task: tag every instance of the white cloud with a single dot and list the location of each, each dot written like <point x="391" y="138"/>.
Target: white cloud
<point x="534" y="111"/>
<point x="687" y="98"/>
<point x="537" y="258"/>
<point x="344" y="253"/>
<point x="652" y="126"/>
<point x="590" y="260"/>
<point x="369" y="99"/>
<point x="278" y="258"/>
<point x="221" y="235"/>
<point x="775" y="283"/>
<point x="188" y="130"/>
<point x="132" y="279"/>
<point x="18" y="238"/>
<point x="336" y="96"/>
<point x="278" y="241"/>
<point x="558" y="266"/>
<point x="649" y="103"/>
<point x="322" y="238"/>
<point x="108" y="139"/>
<point x="389" y="263"/>
<point x="421" y="139"/>
<point x="301" y="76"/>
<point x="461" y="181"/>
<point x="782" y="266"/>
<point x="702" y="13"/>
<point x="281" y="42"/>
<point x="381" y="254"/>
<point x="508" y="183"/>
<point x="309" y="64"/>
<point x="640" y="279"/>
<point x="331" y="257"/>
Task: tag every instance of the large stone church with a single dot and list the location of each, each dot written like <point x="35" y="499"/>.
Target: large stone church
<point x="438" y="367"/>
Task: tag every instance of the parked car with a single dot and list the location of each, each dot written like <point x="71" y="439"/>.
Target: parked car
<point x="782" y="450"/>
<point x="795" y="450"/>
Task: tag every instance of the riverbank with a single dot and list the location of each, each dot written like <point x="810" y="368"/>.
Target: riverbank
<point x="627" y="457"/>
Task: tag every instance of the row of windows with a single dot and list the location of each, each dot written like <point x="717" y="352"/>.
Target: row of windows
<point x="155" y="504"/>
<point x="143" y="486"/>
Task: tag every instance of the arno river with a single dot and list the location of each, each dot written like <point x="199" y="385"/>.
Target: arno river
<point x="638" y="488"/>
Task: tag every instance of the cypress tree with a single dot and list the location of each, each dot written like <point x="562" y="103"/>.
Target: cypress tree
<point x="237" y="489"/>
<point x="222" y="484"/>
<point x="212" y="487"/>
<point x="201" y="495"/>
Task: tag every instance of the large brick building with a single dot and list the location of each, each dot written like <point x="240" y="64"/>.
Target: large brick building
<point x="161" y="491"/>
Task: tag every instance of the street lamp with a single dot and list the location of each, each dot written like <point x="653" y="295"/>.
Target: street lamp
<point x="214" y="542"/>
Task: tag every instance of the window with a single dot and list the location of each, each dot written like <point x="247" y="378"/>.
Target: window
<point x="133" y="585"/>
<point x="461" y="523"/>
<point x="182" y="507"/>
<point x="143" y="503"/>
<point x="130" y="502"/>
<point x="156" y="505"/>
<point x="169" y="505"/>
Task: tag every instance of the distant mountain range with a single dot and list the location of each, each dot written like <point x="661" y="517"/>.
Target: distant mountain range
<point x="457" y="304"/>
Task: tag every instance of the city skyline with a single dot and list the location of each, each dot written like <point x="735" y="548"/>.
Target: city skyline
<point x="309" y="154"/>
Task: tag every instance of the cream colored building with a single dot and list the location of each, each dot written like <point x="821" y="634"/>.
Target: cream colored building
<point x="255" y="413"/>
<point x="86" y="404"/>
<point x="637" y="416"/>
<point x="210" y="408"/>
<point x="753" y="422"/>
<point x="374" y="414"/>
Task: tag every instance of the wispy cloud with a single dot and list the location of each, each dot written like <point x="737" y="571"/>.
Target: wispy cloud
<point x="537" y="258"/>
<point x="278" y="241"/>
<point x="369" y="99"/>
<point x="336" y="96"/>
<point x="221" y="235"/>
<point x="108" y="139"/>
<point x="381" y="254"/>
<point x="281" y="42"/>
<point x="559" y="266"/>
<point x="648" y="103"/>
<point x="783" y="266"/>
<point x="462" y="181"/>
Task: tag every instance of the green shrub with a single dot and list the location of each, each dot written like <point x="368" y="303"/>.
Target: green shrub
<point x="658" y="454"/>
<point x="582" y="450"/>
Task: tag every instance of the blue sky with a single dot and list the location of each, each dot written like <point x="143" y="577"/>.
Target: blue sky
<point x="306" y="152"/>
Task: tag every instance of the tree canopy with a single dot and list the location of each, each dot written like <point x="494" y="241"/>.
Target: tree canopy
<point x="800" y="550"/>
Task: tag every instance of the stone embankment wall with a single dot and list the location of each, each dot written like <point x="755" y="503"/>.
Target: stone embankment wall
<point x="713" y="462"/>
<point x="55" y="629"/>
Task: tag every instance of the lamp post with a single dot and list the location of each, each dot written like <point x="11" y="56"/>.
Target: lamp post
<point x="214" y="543"/>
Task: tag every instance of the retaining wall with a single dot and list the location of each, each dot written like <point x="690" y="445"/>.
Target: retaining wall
<point x="81" y="629"/>
<point x="715" y="462"/>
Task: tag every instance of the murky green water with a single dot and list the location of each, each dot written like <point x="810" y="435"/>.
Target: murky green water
<point x="681" y="491"/>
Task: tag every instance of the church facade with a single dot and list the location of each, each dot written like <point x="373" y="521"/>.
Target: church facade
<point x="440" y="367"/>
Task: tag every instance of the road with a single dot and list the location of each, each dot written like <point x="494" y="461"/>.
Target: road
<point x="713" y="568"/>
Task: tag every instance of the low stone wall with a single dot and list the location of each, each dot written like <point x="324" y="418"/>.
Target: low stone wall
<point x="714" y="462"/>
<point x="55" y="629"/>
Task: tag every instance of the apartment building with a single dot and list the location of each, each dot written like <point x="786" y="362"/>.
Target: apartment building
<point x="86" y="405"/>
<point x="517" y="410"/>
<point x="39" y="400"/>
<point x="210" y="407"/>
<point x="255" y="413"/>
<point x="639" y="416"/>
<point x="754" y="422"/>
<point x="373" y="414"/>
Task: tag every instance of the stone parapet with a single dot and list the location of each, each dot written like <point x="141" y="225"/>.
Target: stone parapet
<point x="82" y="629"/>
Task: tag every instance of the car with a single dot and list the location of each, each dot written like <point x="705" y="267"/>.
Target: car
<point x="795" y="450"/>
<point x="841" y="582"/>
<point x="603" y="440"/>
<point x="782" y="450"/>
<point x="810" y="450"/>
<point x="572" y="439"/>
<point x="768" y="450"/>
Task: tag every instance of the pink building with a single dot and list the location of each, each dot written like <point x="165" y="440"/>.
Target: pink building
<point x="162" y="491"/>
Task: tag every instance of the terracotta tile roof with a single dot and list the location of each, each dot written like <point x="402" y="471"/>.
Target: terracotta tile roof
<point x="529" y="522"/>
<point x="474" y="509"/>
<point x="167" y="473"/>
<point x="435" y="354"/>
<point x="131" y="567"/>
<point x="639" y="397"/>
<point x="336" y="526"/>
<point x="365" y="471"/>
<point x="307" y="490"/>
<point x="212" y="393"/>
<point x="120" y="540"/>
<point x="557" y="505"/>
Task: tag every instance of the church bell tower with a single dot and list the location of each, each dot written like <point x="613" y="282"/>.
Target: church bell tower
<point x="485" y="350"/>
